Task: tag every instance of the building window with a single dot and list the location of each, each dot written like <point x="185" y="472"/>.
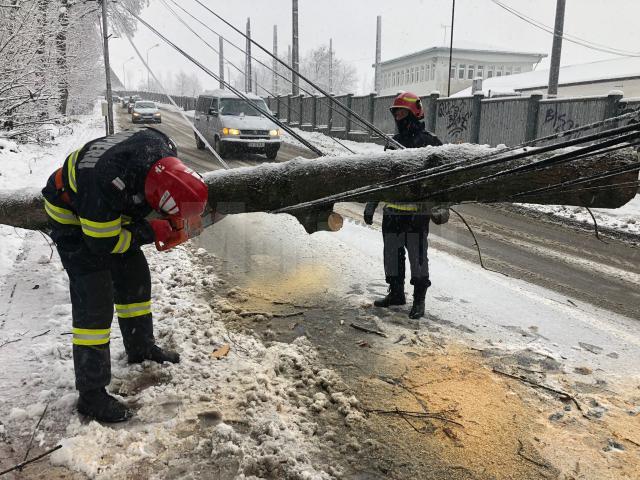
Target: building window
<point x="461" y="70"/>
<point x="452" y="73"/>
<point x="471" y="72"/>
<point x="500" y="71"/>
<point x="517" y="70"/>
<point x="492" y="68"/>
<point x="422" y="73"/>
<point x="480" y="71"/>
<point x="508" y="72"/>
<point x="406" y="76"/>
<point x="433" y="71"/>
<point x="427" y="72"/>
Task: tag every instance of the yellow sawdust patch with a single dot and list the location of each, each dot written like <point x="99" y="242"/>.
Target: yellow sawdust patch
<point x="505" y="431"/>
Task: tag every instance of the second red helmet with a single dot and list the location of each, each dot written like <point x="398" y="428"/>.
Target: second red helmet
<point x="172" y="188"/>
<point x="409" y="101"/>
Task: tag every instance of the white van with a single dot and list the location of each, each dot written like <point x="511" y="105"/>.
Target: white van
<point x="230" y="124"/>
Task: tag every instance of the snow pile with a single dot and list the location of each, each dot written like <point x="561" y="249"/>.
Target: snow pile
<point x="248" y="414"/>
<point x="624" y="219"/>
<point x="329" y="146"/>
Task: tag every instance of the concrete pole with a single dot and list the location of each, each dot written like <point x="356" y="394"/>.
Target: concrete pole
<point x="453" y="14"/>
<point x="221" y="61"/>
<point x="556" y="49"/>
<point x="296" y="51"/>
<point x="377" y="84"/>
<point x="247" y="70"/>
<point x="289" y="61"/>
<point x="274" y="86"/>
<point x="107" y="68"/>
<point x="331" y="65"/>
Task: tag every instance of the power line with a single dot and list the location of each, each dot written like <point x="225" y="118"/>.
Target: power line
<point x="229" y="86"/>
<point x="181" y="20"/>
<point x="570" y="38"/>
<point x="322" y="101"/>
<point x="371" y="126"/>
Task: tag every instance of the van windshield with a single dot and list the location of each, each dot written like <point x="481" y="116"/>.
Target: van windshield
<point x="145" y="105"/>
<point x="238" y="106"/>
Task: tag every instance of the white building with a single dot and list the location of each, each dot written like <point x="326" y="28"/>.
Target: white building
<point x="584" y="79"/>
<point x="427" y="70"/>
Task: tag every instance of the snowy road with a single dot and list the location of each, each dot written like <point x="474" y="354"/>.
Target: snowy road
<point x="572" y="262"/>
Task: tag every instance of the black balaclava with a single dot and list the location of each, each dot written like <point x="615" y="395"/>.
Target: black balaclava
<point x="408" y="125"/>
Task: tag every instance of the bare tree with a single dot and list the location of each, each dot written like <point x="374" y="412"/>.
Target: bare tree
<point x="315" y="66"/>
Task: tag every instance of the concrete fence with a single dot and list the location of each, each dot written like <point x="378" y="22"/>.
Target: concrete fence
<point x="492" y="121"/>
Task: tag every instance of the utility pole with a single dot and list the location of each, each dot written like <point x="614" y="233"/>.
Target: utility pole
<point x="289" y="63"/>
<point x="255" y="82"/>
<point x="453" y="14"/>
<point x="107" y="68"/>
<point x="331" y="65"/>
<point x="296" y="59"/>
<point x="274" y="86"/>
<point x="377" y="84"/>
<point x="556" y="49"/>
<point x="247" y="70"/>
<point x="221" y="61"/>
<point x="148" y="70"/>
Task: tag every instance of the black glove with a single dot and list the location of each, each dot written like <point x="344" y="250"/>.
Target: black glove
<point x="141" y="231"/>
<point x="369" y="210"/>
<point x="439" y="214"/>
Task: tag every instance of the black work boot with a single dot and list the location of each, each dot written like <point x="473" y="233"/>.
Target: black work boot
<point x="394" y="297"/>
<point x="155" y="354"/>
<point x="103" y="407"/>
<point x="419" y="294"/>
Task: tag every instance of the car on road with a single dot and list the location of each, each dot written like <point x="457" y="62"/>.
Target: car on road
<point x="131" y="102"/>
<point x="145" y="111"/>
<point x="232" y="124"/>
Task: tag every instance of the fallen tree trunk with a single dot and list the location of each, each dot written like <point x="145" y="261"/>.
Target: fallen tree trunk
<point x="276" y="185"/>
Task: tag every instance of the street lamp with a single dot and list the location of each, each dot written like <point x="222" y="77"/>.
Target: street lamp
<point x="148" y="50"/>
<point x="124" y="74"/>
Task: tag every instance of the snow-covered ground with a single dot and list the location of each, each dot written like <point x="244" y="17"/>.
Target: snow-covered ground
<point x="254" y="412"/>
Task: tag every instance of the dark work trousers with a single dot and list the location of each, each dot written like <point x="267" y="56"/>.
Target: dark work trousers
<point x="405" y="230"/>
<point x="95" y="281"/>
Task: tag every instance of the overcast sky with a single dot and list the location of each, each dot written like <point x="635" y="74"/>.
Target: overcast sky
<point x="407" y="27"/>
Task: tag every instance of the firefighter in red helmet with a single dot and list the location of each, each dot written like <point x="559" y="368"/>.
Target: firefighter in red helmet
<point x="405" y="226"/>
<point x="97" y="204"/>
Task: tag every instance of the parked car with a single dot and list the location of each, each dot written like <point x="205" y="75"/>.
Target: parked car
<point x="230" y="123"/>
<point x="145" y="111"/>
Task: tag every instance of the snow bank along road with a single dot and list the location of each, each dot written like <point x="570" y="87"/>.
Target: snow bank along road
<point x="546" y="253"/>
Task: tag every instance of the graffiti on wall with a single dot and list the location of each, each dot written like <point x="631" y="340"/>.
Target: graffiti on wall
<point x="457" y="115"/>
<point x="560" y="122"/>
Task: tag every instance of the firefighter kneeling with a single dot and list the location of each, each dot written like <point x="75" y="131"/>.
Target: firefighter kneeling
<point x="97" y="204"/>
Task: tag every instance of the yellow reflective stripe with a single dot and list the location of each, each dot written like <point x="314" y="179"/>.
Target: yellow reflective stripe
<point x="409" y="99"/>
<point x="403" y="206"/>
<point x="112" y="228"/>
<point x="131" y="310"/>
<point x="71" y="170"/>
<point x="61" y="215"/>
<point x="90" y="336"/>
<point x="91" y="331"/>
<point x="124" y="242"/>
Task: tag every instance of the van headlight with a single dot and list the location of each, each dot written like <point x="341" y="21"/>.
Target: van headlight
<point x="136" y="114"/>
<point x="275" y="133"/>
<point x="230" y="131"/>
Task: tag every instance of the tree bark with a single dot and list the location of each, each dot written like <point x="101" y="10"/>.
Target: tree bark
<point x="272" y="186"/>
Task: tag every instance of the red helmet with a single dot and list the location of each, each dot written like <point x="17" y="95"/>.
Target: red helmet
<point x="409" y="101"/>
<point x="172" y="188"/>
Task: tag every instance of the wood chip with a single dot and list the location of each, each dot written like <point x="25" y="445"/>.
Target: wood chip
<point x="221" y="352"/>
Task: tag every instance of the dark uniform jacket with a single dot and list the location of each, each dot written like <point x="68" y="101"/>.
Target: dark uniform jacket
<point x="416" y="137"/>
<point x="104" y="182"/>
